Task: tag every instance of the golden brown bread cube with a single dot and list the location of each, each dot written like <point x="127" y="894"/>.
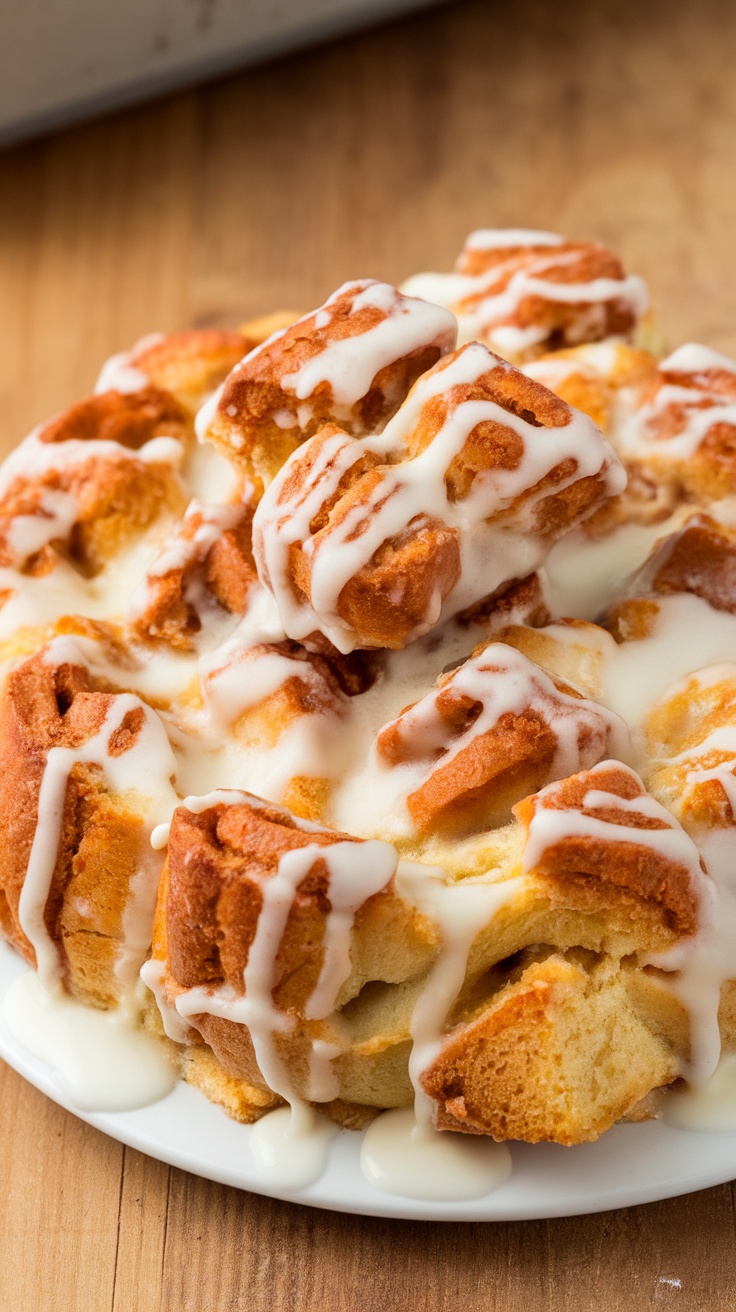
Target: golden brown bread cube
<point x="206" y="562"/>
<point x="98" y="856"/>
<point x="352" y="361"/>
<point x="560" y="1055"/>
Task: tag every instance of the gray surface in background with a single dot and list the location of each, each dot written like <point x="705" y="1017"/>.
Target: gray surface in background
<point x="64" y="60"/>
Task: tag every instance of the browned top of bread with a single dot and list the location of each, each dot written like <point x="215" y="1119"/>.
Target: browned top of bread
<point x="632" y="862"/>
<point x="280" y="395"/>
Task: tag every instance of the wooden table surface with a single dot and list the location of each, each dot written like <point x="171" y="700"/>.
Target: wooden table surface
<point x="372" y="156"/>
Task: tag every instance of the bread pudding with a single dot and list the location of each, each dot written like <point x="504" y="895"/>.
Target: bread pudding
<point x="369" y="694"/>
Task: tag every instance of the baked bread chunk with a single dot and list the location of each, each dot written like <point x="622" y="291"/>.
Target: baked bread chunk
<point x="368" y="689"/>
<point x="525" y="293"/>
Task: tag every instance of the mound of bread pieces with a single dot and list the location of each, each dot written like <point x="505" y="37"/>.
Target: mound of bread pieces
<point x="369" y="724"/>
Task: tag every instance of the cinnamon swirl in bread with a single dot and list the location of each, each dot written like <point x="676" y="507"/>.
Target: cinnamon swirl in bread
<point x="314" y="724"/>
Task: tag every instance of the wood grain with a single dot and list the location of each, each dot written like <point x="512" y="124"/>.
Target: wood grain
<point x="372" y="156"/>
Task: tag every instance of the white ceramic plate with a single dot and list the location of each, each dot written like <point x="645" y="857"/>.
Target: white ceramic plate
<point x="631" y="1164"/>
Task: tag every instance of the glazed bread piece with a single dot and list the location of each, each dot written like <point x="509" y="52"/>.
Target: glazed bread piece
<point x="391" y="598"/>
<point x="525" y="293"/>
<point x="563" y="1053"/>
<point x="205" y="566"/>
<point x="371" y="542"/>
<point x="352" y="361"/>
<point x="698" y="558"/>
<point x="291" y="706"/>
<point x="567" y="922"/>
<point x="680" y="424"/>
<point x="85" y="483"/>
<point x="570" y="827"/>
<point x="691" y="744"/>
<point x="524" y="602"/>
<point x="83" y="770"/>
<point x="494" y="731"/>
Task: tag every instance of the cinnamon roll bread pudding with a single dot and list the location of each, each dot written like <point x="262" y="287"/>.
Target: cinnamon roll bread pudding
<point x="369" y="693"/>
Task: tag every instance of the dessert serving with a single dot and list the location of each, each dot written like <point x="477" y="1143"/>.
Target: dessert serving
<point x="368" y="737"/>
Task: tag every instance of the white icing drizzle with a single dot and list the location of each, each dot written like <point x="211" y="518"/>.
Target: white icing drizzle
<point x="461" y="911"/>
<point x="53" y="520"/>
<point x="248" y="678"/>
<point x="153" y="975"/>
<point x="206" y="414"/>
<point x="160" y="680"/>
<point x="583" y="575"/>
<point x="593" y="360"/>
<point x="315" y="738"/>
<point x="280" y="522"/>
<point x="703" y="963"/>
<point x="102" y="1060"/>
<point x="34" y="457"/>
<point x="238" y="796"/>
<point x="505" y="682"/>
<point x="694" y="358"/>
<point x="551" y="825"/>
<point x="709" y="1107"/>
<point x="181" y="549"/>
<point x="160" y="836"/>
<point x="686" y="635"/>
<point x="492" y="549"/>
<point x="37" y="601"/>
<point x="291" y="1155"/>
<point x="208" y="475"/>
<point x="138" y="914"/>
<point x="490" y="239"/>
<point x="248" y="667"/>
